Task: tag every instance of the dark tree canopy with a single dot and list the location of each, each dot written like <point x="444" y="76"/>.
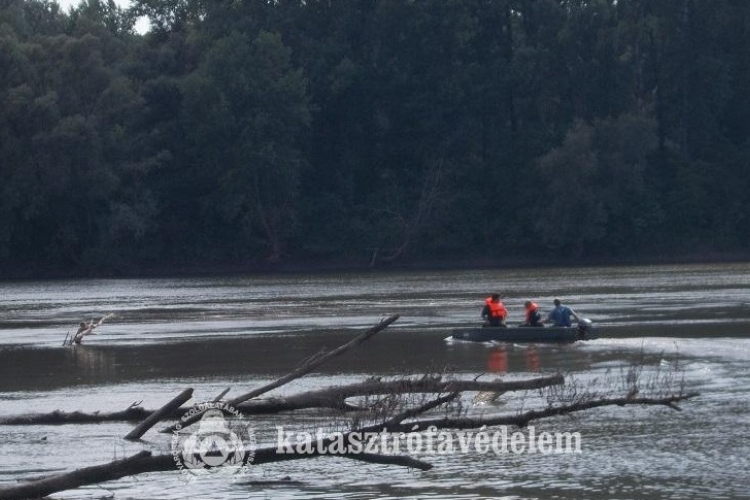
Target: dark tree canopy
<point x="366" y="132"/>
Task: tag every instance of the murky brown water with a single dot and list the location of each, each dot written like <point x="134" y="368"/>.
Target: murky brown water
<point x="214" y="333"/>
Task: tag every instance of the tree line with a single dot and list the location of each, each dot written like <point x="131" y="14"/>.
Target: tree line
<point x="368" y="132"/>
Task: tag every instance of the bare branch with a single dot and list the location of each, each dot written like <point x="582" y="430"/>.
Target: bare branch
<point x="304" y="369"/>
<point x="523" y="419"/>
<point x="314" y="363"/>
<point x="413" y="412"/>
<point x="85" y="329"/>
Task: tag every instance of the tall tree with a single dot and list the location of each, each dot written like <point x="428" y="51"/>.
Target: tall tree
<point x="259" y="114"/>
<point x="596" y="198"/>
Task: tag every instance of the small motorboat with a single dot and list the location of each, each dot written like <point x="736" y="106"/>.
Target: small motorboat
<point x="583" y="330"/>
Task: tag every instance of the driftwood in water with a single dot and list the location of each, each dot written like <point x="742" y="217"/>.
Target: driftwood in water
<point x="222" y="394"/>
<point x="57" y="417"/>
<point x="329" y="398"/>
<point x="328" y="401"/>
<point x="336" y="397"/>
<point x="85" y="329"/>
<point x="315" y="361"/>
<point x="81" y="477"/>
<point x="401" y="415"/>
<point x="144" y="462"/>
<point x="154" y="418"/>
<point x="523" y="419"/>
<point x="306" y="367"/>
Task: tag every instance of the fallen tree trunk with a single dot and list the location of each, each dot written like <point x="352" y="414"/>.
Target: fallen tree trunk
<point x="523" y="419"/>
<point x="302" y="370"/>
<point x="57" y="417"/>
<point x="154" y="418"/>
<point x="81" y="477"/>
<point x="314" y="362"/>
<point x="330" y="398"/>
<point x="335" y="397"/>
<point x="144" y="462"/>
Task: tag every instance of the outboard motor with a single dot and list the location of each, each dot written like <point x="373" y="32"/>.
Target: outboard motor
<point x="586" y="330"/>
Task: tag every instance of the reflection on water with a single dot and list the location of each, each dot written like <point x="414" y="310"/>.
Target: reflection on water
<point x="240" y="332"/>
<point x="498" y="360"/>
<point x="525" y="359"/>
<point x="94" y="364"/>
<point x="532" y="359"/>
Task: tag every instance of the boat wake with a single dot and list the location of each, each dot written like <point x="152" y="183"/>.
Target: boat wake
<point x="722" y="348"/>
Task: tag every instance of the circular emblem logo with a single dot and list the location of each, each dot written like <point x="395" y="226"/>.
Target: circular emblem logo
<point x="220" y="443"/>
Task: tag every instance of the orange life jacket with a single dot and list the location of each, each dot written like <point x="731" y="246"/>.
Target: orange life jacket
<point x="497" y="309"/>
<point x="533" y="307"/>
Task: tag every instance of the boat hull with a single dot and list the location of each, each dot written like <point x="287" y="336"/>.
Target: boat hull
<point x="526" y="334"/>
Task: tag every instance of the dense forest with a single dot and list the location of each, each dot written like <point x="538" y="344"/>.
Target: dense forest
<point x="371" y="132"/>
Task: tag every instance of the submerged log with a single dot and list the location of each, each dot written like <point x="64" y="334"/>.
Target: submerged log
<point x="328" y="398"/>
<point x="57" y="417"/>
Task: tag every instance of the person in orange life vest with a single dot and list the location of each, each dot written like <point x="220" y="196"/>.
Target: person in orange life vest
<point x="533" y="316"/>
<point x="494" y="311"/>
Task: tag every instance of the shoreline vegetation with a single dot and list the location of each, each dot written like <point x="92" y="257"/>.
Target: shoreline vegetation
<point x="258" y="137"/>
<point x="325" y="267"/>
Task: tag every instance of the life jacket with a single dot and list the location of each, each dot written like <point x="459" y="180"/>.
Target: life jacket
<point x="497" y="309"/>
<point x="531" y="311"/>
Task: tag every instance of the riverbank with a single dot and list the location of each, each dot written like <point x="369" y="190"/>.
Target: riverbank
<point x="262" y="267"/>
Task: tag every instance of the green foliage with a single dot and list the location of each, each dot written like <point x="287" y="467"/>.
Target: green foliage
<point x="246" y="110"/>
<point x="596" y="193"/>
<point x="371" y="131"/>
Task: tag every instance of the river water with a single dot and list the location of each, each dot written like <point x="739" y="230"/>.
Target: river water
<point x="686" y="325"/>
